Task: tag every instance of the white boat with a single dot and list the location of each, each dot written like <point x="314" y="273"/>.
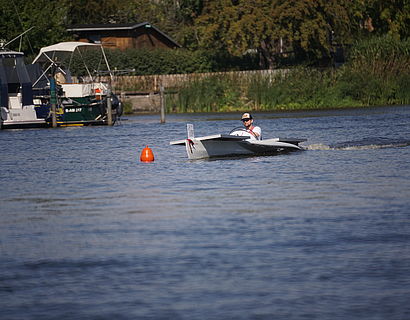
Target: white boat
<point x="237" y="143"/>
<point x="17" y="109"/>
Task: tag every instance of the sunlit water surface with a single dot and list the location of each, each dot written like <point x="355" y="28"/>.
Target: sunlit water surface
<point x="87" y="231"/>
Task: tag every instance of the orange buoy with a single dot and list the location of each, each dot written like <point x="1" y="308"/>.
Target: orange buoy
<point x="147" y="155"/>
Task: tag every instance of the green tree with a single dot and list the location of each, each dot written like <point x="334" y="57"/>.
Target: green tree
<point x="267" y="25"/>
<point x="45" y="17"/>
<point x="174" y="17"/>
<point x="389" y="17"/>
<point x="310" y="25"/>
<point x="237" y="26"/>
<point x="91" y="11"/>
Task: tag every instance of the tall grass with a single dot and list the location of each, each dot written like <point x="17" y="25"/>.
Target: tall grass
<point x="211" y="94"/>
<point x="378" y="73"/>
<point x="300" y="88"/>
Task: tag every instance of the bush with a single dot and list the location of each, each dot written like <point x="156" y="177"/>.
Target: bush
<point x="165" y="61"/>
<point x="159" y="61"/>
<point x="144" y="61"/>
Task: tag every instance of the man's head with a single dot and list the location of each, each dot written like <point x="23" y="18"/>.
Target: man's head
<point x="247" y="119"/>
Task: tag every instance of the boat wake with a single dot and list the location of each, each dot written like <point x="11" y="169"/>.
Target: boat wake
<point x="363" y="144"/>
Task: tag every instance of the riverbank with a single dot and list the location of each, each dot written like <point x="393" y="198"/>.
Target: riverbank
<point x="151" y="104"/>
<point x="296" y="89"/>
<point x="376" y="73"/>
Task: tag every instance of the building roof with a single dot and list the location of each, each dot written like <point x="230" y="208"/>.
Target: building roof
<point x="117" y="26"/>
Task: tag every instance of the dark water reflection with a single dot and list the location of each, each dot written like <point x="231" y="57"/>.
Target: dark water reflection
<point x="89" y="232"/>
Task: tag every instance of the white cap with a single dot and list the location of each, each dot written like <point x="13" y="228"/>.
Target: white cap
<point x="246" y="115"/>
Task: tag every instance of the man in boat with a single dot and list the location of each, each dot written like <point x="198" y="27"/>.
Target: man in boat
<point x="247" y="121"/>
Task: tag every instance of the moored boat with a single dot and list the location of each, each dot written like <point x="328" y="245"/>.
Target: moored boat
<point x="17" y="108"/>
<point x="84" y="101"/>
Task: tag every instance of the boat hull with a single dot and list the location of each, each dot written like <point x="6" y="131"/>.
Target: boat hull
<point x="197" y="149"/>
<point x="231" y="146"/>
<point x="87" y="114"/>
<point x="20" y="117"/>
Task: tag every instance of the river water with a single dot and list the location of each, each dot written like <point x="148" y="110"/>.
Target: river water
<point x="87" y="231"/>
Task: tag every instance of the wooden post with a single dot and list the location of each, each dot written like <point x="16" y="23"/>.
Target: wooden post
<point x="162" y="102"/>
<point x="109" y="105"/>
<point x="53" y="101"/>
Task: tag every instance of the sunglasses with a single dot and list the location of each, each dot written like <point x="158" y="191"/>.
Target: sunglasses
<point x="244" y="120"/>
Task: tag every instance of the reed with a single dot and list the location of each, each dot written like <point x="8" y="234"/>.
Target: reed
<point x="299" y="88"/>
<point x="378" y="72"/>
<point x="211" y="94"/>
<point x="127" y="107"/>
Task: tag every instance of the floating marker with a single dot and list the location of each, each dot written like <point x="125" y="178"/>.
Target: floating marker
<point x="147" y="155"/>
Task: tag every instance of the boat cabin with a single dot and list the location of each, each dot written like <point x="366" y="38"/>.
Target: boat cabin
<point x="17" y="109"/>
<point x="15" y="84"/>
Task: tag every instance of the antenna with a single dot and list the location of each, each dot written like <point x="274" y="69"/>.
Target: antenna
<point x="20" y="35"/>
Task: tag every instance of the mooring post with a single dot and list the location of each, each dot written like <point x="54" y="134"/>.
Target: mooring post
<point x="53" y="101"/>
<point x="109" y="105"/>
<point x="162" y="102"/>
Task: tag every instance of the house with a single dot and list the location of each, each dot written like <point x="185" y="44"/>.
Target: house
<point x="123" y="36"/>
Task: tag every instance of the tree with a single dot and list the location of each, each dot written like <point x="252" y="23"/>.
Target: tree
<point x="311" y="25"/>
<point x="91" y="11"/>
<point x="389" y="17"/>
<point x="262" y="25"/>
<point x="45" y="17"/>
<point x="237" y="26"/>
<point x="174" y="17"/>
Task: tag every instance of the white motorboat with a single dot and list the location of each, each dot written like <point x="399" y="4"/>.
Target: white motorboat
<point x="237" y="143"/>
<point x="17" y="109"/>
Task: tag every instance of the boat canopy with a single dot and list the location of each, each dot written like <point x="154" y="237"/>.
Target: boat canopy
<point x="62" y="51"/>
<point x="61" y="55"/>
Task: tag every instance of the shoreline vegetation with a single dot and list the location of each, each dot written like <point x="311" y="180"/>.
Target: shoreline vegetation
<point x="377" y="72"/>
<point x="371" y="38"/>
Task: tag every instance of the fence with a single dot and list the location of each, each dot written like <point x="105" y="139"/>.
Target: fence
<point x="147" y="84"/>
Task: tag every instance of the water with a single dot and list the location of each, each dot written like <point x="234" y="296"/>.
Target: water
<point x="89" y="232"/>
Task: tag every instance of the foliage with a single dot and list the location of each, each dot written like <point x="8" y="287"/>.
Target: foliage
<point x="127" y="107"/>
<point x="206" y="95"/>
<point x="227" y="30"/>
<point x="160" y="61"/>
<point x="377" y="74"/>
<point x="45" y="17"/>
<point x="145" y="61"/>
<point x="300" y="88"/>
<point x="389" y="17"/>
<point x="271" y="27"/>
<point x="378" y="71"/>
<point x="310" y="25"/>
<point x="91" y="11"/>
<point x="237" y="26"/>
